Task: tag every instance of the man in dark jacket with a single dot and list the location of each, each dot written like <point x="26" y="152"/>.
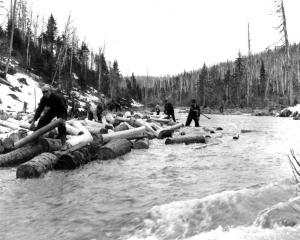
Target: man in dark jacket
<point x="99" y="111"/>
<point x="194" y="114"/>
<point x="169" y="110"/>
<point x="57" y="107"/>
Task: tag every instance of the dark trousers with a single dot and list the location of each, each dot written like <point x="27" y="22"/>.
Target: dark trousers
<point x="90" y="115"/>
<point x="173" y="116"/>
<point x="189" y="120"/>
<point x="47" y="118"/>
<point x="99" y="116"/>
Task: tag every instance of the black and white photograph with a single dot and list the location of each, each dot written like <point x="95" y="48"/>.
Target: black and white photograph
<point x="149" y="120"/>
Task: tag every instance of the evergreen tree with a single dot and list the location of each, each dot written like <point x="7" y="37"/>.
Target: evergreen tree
<point x="227" y="82"/>
<point x="263" y="80"/>
<point x="239" y="73"/>
<point x="115" y="80"/>
<point x="201" y="84"/>
<point x="104" y="76"/>
<point x="50" y="34"/>
<point x="134" y="86"/>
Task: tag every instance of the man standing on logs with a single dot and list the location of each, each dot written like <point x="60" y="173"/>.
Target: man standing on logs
<point x="57" y="107"/>
<point x="99" y="111"/>
<point x="169" y="110"/>
<point x="194" y="114"/>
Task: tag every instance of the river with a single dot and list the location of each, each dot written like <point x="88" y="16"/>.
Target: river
<point x="237" y="189"/>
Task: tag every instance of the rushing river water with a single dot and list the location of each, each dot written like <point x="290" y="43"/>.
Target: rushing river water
<point x="238" y="189"/>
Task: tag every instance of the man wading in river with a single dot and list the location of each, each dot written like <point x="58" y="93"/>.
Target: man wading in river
<point x="194" y="114"/>
<point x="57" y="107"/>
<point x="169" y="110"/>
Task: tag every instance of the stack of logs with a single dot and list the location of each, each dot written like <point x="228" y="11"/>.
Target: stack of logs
<point x="35" y="153"/>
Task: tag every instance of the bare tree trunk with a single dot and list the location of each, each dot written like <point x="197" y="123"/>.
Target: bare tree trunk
<point x="11" y="38"/>
<point x="28" y="42"/>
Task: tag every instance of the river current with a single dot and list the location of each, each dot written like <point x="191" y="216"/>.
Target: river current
<point x="237" y="189"/>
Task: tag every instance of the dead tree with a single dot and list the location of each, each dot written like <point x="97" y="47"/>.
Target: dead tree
<point x="280" y="10"/>
<point x="11" y="37"/>
<point x="295" y="165"/>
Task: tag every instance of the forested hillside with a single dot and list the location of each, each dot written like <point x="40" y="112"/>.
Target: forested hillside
<point x="254" y="80"/>
<point x="63" y="60"/>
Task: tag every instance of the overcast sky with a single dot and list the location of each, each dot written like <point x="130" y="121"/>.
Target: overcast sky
<point x="170" y="36"/>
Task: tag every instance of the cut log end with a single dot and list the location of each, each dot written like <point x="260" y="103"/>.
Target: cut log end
<point x="141" y="144"/>
<point x="27" y="171"/>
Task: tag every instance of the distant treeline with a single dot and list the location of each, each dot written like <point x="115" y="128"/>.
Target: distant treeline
<point x="255" y="81"/>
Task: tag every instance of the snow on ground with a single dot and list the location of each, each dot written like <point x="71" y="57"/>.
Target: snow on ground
<point x="295" y="108"/>
<point x="136" y="104"/>
<point x="26" y="89"/>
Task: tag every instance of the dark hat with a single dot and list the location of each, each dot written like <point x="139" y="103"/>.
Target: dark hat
<point x="193" y="100"/>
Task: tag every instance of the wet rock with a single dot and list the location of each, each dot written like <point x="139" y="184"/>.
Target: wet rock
<point x="285" y="112"/>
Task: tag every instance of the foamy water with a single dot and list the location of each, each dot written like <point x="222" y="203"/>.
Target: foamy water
<point x="238" y="189"/>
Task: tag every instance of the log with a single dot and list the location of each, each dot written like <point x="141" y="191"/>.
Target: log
<point x="37" y="165"/>
<point x="130" y="133"/>
<point x="122" y="119"/>
<point x="86" y="137"/>
<point x="141" y="144"/>
<point x="51" y="144"/>
<point x="21" y="154"/>
<point x="9" y="125"/>
<point x="109" y="118"/>
<point x="186" y="140"/>
<point x="90" y="123"/>
<point x="140" y="122"/>
<point x="160" y="120"/>
<point x="96" y="130"/>
<point x="43" y="163"/>
<point x="73" y="130"/>
<point x="74" y="159"/>
<point x="38" y="133"/>
<point x="25" y="125"/>
<point x="121" y="127"/>
<point x="113" y="149"/>
<point x="4" y="129"/>
<point x="12" y="137"/>
<point x="168" y="131"/>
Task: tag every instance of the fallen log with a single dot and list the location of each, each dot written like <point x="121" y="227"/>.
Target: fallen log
<point x="37" y="165"/>
<point x="160" y="120"/>
<point x="4" y="129"/>
<point x="74" y="159"/>
<point x="10" y="125"/>
<point x="86" y="137"/>
<point x="113" y="149"/>
<point x="130" y="133"/>
<point x="73" y="130"/>
<point x="96" y="130"/>
<point x="51" y="144"/>
<point x="122" y="119"/>
<point x="186" y="140"/>
<point x="38" y="133"/>
<point x="168" y="131"/>
<point x="141" y="143"/>
<point x="90" y="123"/>
<point x="21" y="154"/>
<point x="149" y="128"/>
<point x="12" y="137"/>
<point x="121" y="127"/>
<point x="43" y="163"/>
